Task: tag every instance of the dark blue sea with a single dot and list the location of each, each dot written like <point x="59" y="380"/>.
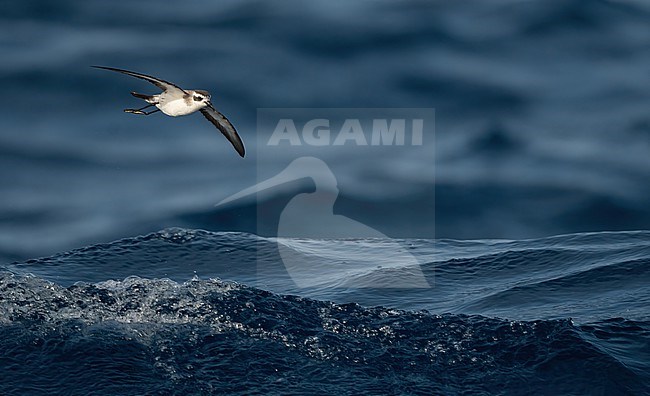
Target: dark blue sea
<point x="509" y="255"/>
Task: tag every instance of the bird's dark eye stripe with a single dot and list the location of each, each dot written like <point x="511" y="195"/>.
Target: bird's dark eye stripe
<point x="198" y="98"/>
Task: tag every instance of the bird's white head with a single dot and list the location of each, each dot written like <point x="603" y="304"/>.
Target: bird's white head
<point x="201" y="97"/>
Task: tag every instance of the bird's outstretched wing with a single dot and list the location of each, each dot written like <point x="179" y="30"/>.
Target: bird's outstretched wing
<point x="162" y="84"/>
<point x="222" y="123"/>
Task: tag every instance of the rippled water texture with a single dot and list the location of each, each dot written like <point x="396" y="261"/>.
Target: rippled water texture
<point x="562" y="315"/>
<point x="541" y="128"/>
<point x="541" y="114"/>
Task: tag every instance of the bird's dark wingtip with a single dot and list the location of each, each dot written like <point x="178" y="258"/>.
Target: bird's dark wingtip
<point x="115" y="69"/>
<point x="241" y="151"/>
<point x="104" y="68"/>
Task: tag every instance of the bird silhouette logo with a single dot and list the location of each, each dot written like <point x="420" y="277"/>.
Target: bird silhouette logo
<point x="308" y="219"/>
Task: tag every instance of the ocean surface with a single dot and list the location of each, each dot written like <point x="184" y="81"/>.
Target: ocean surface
<point x="185" y="311"/>
<point x="511" y="258"/>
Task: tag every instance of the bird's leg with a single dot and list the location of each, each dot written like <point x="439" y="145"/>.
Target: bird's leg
<point x="140" y="112"/>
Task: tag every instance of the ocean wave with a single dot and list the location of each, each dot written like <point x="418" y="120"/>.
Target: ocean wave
<point x="582" y="276"/>
<point x="155" y="335"/>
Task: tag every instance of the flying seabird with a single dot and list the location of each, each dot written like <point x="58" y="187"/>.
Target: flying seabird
<point x="176" y="101"/>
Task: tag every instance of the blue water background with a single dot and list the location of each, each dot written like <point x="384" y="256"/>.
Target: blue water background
<point x="539" y="279"/>
<point x="542" y="121"/>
